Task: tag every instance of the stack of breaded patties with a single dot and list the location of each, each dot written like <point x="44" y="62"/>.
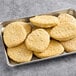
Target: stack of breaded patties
<point x="44" y="36"/>
<point x="14" y="36"/>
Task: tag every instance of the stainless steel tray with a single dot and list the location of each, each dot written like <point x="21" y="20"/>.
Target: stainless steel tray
<point x="26" y="19"/>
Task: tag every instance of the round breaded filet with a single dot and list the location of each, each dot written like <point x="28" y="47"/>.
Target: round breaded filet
<point x="38" y="40"/>
<point x="54" y="49"/>
<point x="19" y="53"/>
<point x="69" y="46"/>
<point x="44" y="21"/>
<point x="63" y="33"/>
<point x="66" y="18"/>
<point x="14" y="34"/>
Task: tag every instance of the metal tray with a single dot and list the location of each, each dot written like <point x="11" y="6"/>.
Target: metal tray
<point x="26" y="19"/>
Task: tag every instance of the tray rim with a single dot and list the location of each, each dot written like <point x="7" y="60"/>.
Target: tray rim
<point x="33" y="61"/>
